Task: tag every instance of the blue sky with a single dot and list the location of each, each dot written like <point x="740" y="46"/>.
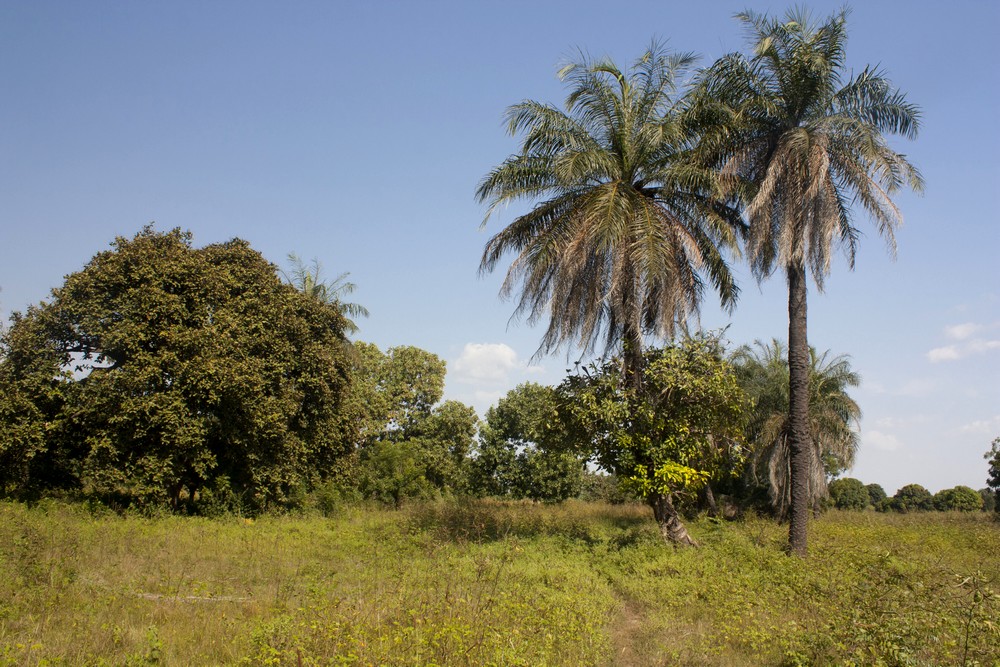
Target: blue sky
<point x="356" y="133"/>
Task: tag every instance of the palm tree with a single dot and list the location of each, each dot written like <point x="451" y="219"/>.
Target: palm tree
<point x="619" y="232"/>
<point x="307" y="279"/>
<point x="834" y="418"/>
<point x="621" y="229"/>
<point x="800" y="145"/>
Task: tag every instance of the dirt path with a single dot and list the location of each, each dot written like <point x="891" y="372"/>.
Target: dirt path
<point x="629" y="636"/>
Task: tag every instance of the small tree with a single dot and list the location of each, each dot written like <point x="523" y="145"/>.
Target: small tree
<point x="848" y="494"/>
<point x="670" y="438"/>
<point x="958" y="499"/>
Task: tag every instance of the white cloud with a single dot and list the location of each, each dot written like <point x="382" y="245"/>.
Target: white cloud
<point x="971" y="340"/>
<point x="949" y="353"/>
<point x="884" y="441"/>
<point x="485" y="363"/>
<point x="963" y="331"/>
<point x="987" y="426"/>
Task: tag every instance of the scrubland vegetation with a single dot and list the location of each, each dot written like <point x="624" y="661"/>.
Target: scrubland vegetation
<point x="482" y="582"/>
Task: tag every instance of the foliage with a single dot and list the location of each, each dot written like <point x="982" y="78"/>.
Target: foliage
<point x="395" y="399"/>
<point x="993" y="481"/>
<point x="522" y="450"/>
<point x="307" y="278"/>
<point x="669" y="439"/>
<point x="912" y="497"/>
<point x="833" y="417"/>
<point x="848" y="494"/>
<point x="161" y="370"/>
<point x="395" y="390"/>
<point x="876" y="496"/>
<point x="960" y="498"/>
<point x="989" y="499"/>
<point x="801" y="143"/>
<point x="621" y="229"/>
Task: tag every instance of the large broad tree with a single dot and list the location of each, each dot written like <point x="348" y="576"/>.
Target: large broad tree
<point x="620" y="235"/>
<point x="834" y="419"/>
<point x="803" y="141"/>
<point x="161" y="371"/>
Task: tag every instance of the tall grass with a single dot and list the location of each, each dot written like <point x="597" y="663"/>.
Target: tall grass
<point x="483" y="583"/>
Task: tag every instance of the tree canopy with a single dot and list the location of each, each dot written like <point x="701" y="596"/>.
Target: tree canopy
<point x="622" y="233"/>
<point x="161" y="370"/>
<point x="668" y="439"/>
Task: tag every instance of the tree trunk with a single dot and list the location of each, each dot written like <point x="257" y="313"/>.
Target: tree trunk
<point x="671" y="528"/>
<point x="709" y="498"/>
<point x="800" y="451"/>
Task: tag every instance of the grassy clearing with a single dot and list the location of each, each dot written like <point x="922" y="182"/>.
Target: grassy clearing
<point x="486" y="583"/>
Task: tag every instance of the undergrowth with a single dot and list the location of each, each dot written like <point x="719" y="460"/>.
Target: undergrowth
<point x="486" y="583"/>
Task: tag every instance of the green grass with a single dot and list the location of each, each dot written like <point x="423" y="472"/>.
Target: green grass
<point x="493" y="584"/>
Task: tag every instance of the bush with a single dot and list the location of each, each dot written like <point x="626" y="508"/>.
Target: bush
<point x="848" y="494"/>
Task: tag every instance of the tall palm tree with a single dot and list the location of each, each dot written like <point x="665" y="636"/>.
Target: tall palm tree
<point x="619" y="233"/>
<point x="801" y="143"/>
<point x="834" y="417"/>
<point x="307" y="278"/>
<point x="622" y="228"/>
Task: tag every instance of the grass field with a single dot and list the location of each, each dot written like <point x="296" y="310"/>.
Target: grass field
<point x="485" y="583"/>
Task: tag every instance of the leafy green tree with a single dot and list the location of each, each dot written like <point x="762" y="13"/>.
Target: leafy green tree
<point x="161" y="370"/>
<point x="395" y="399"/>
<point x="523" y="450"/>
<point x="669" y="439"/>
<point x="445" y="440"/>
<point x="993" y="457"/>
<point x="958" y="499"/>
<point x="876" y="496"/>
<point x="621" y="229"/>
<point x="833" y="418"/>
<point x="848" y="494"/>
<point x="989" y="499"/>
<point x="912" y="497"/>
<point x="803" y="142"/>
<point x="307" y="278"/>
<point x="392" y="471"/>
<point x="395" y="390"/>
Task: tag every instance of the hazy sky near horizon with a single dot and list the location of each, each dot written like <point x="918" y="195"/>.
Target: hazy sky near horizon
<point x="356" y="133"/>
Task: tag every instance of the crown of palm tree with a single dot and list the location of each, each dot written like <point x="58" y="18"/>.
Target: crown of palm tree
<point x="621" y="232"/>
<point x="307" y="278"/>
<point x="834" y="416"/>
<point x="800" y="145"/>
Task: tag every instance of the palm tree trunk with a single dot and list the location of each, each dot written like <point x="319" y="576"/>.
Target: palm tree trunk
<point x="671" y="527"/>
<point x="800" y="450"/>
